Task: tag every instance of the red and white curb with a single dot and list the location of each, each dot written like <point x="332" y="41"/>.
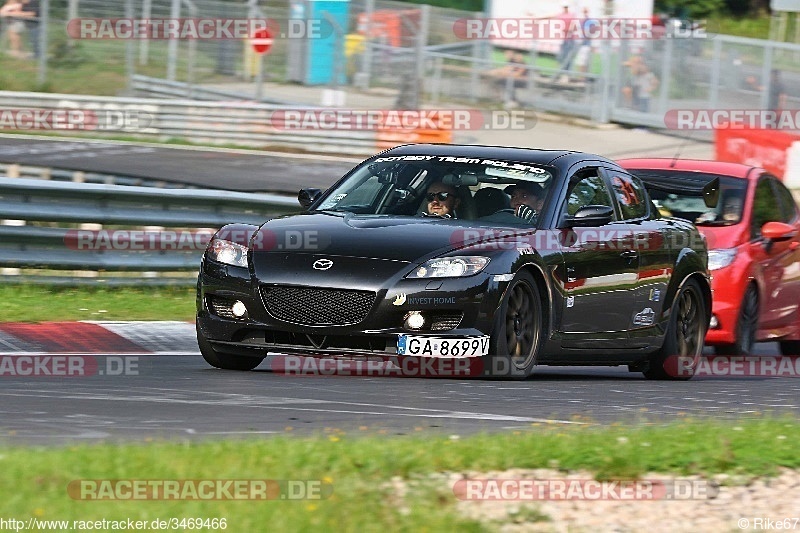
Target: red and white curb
<point x="134" y="338"/>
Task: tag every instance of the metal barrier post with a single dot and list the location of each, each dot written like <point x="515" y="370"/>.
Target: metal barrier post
<point x="715" y="74"/>
<point x="129" y="49"/>
<point x="366" y="67"/>
<point x="474" y="74"/>
<point x="44" y="20"/>
<point x="422" y="42"/>
<point x="172" y="46"/>
<point x="766" y="78"/>
<point x="144" y="44"/>
<point x="666" y="72"/>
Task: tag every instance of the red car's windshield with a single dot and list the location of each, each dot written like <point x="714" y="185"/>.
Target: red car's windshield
<point x="692" y="207"/>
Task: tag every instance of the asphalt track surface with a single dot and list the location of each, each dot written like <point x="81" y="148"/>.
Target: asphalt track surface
<point x="181" y="397"/>
<point x="205" y="168"/>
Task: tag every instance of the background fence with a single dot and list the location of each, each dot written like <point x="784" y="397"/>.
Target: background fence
<point x="413" y="54"/>
<point x="152" y="236"/>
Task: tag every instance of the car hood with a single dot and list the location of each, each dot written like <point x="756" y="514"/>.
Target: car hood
<point x="406" y="239"/>
<point x="721" y="237"/>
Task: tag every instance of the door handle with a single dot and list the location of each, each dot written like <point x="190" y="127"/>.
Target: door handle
<point x="629" y="254"/>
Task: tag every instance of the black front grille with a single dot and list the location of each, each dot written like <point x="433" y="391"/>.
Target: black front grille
<point x="220" y="306"/>
<point x="446" y="321"/>
<point x="318" y="307"/>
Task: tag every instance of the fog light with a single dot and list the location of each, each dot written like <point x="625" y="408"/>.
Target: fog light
<point x="239" y="309"/>
<point x="414" y="320"/>
<point x="714" y="323"/>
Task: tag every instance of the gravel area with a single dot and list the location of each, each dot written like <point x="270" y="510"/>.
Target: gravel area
<point x="668" y="503"/>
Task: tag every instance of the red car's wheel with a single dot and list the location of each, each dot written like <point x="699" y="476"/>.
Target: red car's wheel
<point x="746" y="326"/>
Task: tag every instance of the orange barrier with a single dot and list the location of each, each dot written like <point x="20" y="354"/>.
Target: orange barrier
<point x="391" y="27"/>
<point x="761" y="148"/>
<point x="391" y="137"/>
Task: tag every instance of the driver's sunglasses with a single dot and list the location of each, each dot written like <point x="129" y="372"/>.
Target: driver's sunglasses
<point x="441" y="196"/>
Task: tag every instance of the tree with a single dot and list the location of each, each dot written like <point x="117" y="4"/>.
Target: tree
<point x="693" y="9"/>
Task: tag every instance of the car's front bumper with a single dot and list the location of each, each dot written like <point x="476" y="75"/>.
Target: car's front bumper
<point x="728" y="293"/>
<point x="467" y="303"/>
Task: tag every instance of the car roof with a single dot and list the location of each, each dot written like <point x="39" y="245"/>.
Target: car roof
<point x="734" y="170"/>
<point x="561" y="159"/>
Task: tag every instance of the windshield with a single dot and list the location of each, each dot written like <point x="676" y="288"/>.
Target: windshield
<point x="439" y="187"/>
<point x="692" y="207"/>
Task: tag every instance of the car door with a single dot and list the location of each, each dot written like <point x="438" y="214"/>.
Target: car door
<point x="775" y="263"/>
<point x="786" y="271"/>
<point x="654" y="257"/>
<point x="600" y="272"/>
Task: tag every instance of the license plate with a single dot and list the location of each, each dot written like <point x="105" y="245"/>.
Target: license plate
<point x="451" y="347"/>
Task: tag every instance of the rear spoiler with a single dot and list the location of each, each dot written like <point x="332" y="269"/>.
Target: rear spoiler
<point x="709" y="191"/>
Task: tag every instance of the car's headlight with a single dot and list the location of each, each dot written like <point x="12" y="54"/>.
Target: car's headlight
<point x="450" y="267"/>
<point x="227" y="252"/>
<point x="720" y="258"/>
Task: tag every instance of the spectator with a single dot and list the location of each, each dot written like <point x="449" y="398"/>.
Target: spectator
<point x="777" y="93"/>
<point x="640" y="85"/>
<point x="11" y="13"/>
<point x="567" y="52"/>
<point x="510" y="77"/>
<point x="645" y="83"/>
<point x="584" y="53"/>
<point x="31" y="13"/>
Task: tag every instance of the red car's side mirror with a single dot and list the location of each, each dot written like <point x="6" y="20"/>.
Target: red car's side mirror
<point x="777" y="231"/>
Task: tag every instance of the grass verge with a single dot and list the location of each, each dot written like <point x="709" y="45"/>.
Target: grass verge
<point x="43" y="303"/>
<point x="364" y="469"/>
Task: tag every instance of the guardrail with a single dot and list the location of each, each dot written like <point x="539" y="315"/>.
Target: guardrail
<point x="52" y="227"/>
<point x="159" y="87"/>
<point x="17" y="170"/>
<point x="217" y="122"/>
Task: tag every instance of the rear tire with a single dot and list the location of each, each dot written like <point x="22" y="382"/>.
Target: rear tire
<point x="517" y="332"/>
<point x="223" y="360"/>
<point x="684" y="338"/>
<point x="746" y="326"/>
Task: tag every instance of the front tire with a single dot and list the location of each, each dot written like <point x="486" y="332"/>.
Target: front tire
<point x="746" y="326"/>
<point x="517" y="332"/>
<point x="684" y="338"/>
<point x="223" y="360"/>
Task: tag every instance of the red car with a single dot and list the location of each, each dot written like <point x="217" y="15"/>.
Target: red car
<point x="753" y="237"/>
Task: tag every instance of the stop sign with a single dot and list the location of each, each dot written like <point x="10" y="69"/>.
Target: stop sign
<point x="262" y="41"/>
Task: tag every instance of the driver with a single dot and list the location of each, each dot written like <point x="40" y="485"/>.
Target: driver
<point x="442" y="200"/>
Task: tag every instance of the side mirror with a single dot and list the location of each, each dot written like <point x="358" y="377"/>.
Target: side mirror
<point x="591" y="215"/>
<point x="777" y="231"/>
<point x="307" y="197"/>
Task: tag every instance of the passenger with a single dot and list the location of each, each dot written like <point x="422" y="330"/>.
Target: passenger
<point x="442" y="200"/>
<point x="527" y="200"/>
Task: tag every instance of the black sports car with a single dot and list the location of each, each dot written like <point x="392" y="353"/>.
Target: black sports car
<point x="507" y="257"/>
